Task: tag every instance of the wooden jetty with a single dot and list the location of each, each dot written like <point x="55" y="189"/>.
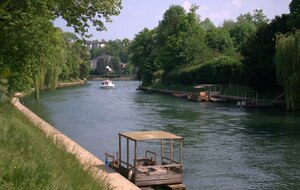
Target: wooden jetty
<point x="151" y="169"/>
<point x="213" y="94"/>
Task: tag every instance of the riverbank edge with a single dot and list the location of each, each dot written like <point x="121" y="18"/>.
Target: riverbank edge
<point x="89" y="161"/>
<point x="75" y="83"/>
<point x="113" y="79"/>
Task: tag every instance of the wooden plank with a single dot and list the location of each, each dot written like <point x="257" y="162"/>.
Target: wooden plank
<point x="180" y="152"/>
<point x="170" y="176"/>
<point x="160" y="166"/>
<point x="171" y="150"/>
<point x="120" y="150"/>
<point x="158" y="181"/>
<point x="162" y="150"/>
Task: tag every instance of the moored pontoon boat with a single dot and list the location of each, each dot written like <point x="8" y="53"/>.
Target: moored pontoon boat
<point x="150" y="168"/>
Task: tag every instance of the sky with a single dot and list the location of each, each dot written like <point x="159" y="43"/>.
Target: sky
<point x="139" y="14"/>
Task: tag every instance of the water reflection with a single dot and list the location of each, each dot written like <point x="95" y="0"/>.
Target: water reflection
<point x="224" y="147"/>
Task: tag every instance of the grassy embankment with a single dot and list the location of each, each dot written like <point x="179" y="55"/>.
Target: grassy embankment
<point x="30" y="160"/>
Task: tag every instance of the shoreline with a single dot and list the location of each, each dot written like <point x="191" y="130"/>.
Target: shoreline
<point x="88" y="160"/>
<point x="75" y="83"/>
<point x="113" y="79"/>
<point x="229" y="99"/>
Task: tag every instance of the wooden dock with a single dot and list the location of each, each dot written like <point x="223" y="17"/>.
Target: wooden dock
<point x="193" y="96"/>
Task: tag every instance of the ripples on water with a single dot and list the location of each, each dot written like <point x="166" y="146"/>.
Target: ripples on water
<point x="224" y="147"/>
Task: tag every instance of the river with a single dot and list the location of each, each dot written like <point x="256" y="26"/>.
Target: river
<point x="224" y="147"/>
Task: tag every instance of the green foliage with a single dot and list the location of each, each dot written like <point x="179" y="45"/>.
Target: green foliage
<point x="95" y="52"/>
<point x="113" y="62"/>
<point x="177" y="36"/>
<point x="294" y="21"/>
<point x="142" y="51"/>
<point x="207" y="24"/>
<point x="175" y="87"/>
<point x="287" y="61"/>
<point x="245" y="27"/>
<point x="115" y="48"/>
<point x="30" y="160"/>
<point x="80" y="14"/>
<point x="218" y="39"/>
<point x="222" y="70"/>
<point x="241" y="32"/>
<point x="258" y="18"/>
<point x="37" y="53"/>
<point x="259" y="53"/>
<point x="178" y="40"/>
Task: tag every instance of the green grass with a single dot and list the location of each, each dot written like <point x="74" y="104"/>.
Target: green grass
<point x="30" y="160"/>
<point x="175" y="87"/>
<point x="233" y="90"/>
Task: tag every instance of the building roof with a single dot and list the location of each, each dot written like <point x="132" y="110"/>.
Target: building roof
<point x="149" y="135"/>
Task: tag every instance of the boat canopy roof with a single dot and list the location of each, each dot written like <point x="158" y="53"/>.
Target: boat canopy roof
<point x="149" y="135"/>
<point x="205" y="85"/>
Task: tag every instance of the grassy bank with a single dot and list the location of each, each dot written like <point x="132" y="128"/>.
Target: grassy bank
<point x="29" y="160"/>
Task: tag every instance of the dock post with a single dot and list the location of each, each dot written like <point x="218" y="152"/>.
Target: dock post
<point x="171" y="150"/>
<point x="127" y="142"/>
<point x="162" y="150"/>
<point x="135" y="153"/>
<point x="120" y="153"/>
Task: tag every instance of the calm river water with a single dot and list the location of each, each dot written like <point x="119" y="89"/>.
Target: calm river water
<point x="224" y="147"/>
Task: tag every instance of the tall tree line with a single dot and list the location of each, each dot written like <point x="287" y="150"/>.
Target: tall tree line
<point x="183" y="46"/>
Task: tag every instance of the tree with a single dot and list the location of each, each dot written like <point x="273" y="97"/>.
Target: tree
<point x="170" y="37"/>
<point x="177" y="41"/>
<point x="102" y="62"/>
<point x="241" y="32"/>
<point x="141" y="52"/>
<point x="207" y="24"/>
<point x="295" y="14"/>
<point x="259" y="54"/>
<point x="258" y="18"/>
<point x="218" y="39"/>
<point x="79" y="14"/>
<point x="246" y="26"/>
<point x="32" y="49"/>
<point x="180" y="39"/>
<point x="95" y="52"/>
<point x="228" y="25"/>
<point x="287" y="61"/>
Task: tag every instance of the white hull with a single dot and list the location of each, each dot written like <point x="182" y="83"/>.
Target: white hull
<point x="107" y="87"/>
<point x="107" y="84"/>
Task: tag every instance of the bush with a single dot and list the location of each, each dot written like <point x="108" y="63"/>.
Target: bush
<point x="222" y="70"/>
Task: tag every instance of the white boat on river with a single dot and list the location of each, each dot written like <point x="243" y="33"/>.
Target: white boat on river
<point x="107" y="84"/>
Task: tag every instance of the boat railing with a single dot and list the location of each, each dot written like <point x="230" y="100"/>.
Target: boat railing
<point x="166" y="161"/>
<point x="126" y="164"/>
